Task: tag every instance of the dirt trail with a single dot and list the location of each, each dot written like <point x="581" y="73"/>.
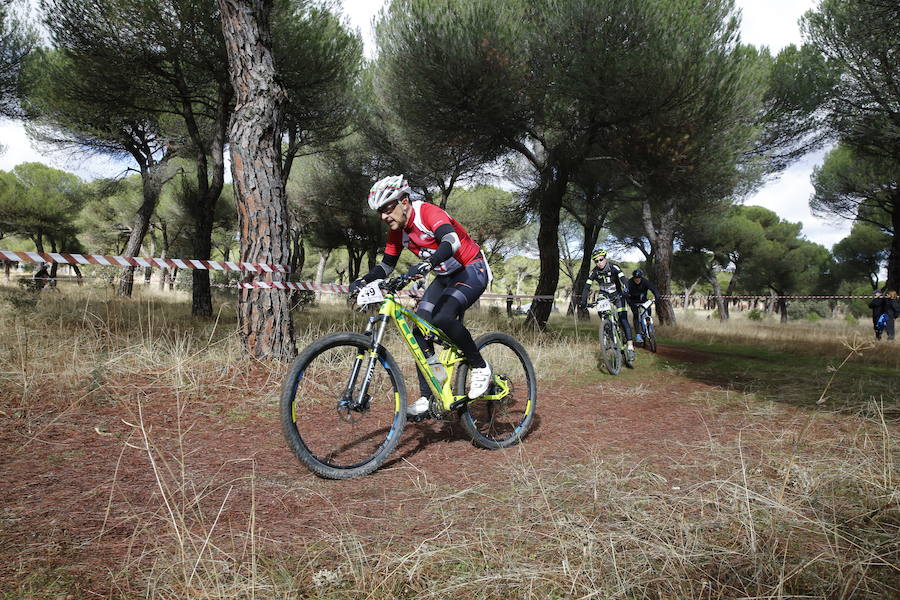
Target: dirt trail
<point x="80" y="491"/>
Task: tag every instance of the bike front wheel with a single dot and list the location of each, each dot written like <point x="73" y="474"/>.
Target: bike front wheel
<point x="651" y="335"/>
<point x="332" y="430"/>
<point x="500" y="423"/>
<point x="609" y="348"/>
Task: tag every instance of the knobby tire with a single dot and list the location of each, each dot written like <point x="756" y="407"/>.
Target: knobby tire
<point x="609" y="348"/>
<point x="331" y="440"/>
<point x="496" y="424"/>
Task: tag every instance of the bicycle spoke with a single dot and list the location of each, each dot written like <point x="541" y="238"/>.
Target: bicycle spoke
<point x="330" y="430"/>
<point x="497" y="423"/>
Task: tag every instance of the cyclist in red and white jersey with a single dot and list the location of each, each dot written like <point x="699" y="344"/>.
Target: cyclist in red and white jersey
<point x="444" y="247"/>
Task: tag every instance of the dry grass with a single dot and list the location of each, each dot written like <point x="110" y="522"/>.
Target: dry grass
<point x="801" y="511"/>
<point x="825" y="337"/>
<point x="811" y="516"/>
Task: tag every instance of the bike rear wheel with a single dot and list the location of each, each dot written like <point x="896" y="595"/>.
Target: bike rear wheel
<point x="328" y="430"/>
<point x="609" y="348"/>
<point x="495" y="424"/>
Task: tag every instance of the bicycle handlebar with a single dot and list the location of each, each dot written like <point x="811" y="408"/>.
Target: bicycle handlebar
<point x="394" y="284"/>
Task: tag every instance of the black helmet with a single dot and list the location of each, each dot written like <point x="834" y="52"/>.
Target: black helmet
<point x="638" y="273"/>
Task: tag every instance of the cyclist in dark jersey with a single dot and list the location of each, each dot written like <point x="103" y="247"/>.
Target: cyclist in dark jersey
<point x="638" y="286"/>
<point x="612" y="283"/>
<point x="444" y="247"/>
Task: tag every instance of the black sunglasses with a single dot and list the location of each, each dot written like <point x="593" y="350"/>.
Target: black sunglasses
<point x="388" y="207"/>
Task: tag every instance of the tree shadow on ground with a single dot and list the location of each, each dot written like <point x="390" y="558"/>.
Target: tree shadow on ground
<point x="805" y="381"/>
<point x="420" y="436"/>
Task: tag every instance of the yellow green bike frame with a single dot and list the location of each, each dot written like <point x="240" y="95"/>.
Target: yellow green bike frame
<point x="450" y="357"/>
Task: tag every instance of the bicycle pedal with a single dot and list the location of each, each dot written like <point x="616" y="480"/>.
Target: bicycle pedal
<point x="424" y="416"/>
<point x="459" y="404"/>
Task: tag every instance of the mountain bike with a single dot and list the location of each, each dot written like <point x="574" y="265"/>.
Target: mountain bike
<point x="648" y="330"/>
<point x="612" y="340"/>
<point x="343" y="400"/>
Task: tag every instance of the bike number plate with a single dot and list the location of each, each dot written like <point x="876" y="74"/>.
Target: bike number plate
<point x="604" y="305"/>
<point x="370" y="294"/>
<point x="647" y="304"/>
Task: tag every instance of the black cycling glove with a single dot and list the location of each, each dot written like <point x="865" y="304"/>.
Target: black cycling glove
<point x="356" y="285"/>
<point x="419" y="270"/>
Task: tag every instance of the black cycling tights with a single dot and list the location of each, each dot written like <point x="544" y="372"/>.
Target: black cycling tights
<point x="448" y="318"/>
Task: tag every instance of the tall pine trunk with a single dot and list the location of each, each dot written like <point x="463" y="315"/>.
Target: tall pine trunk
<point x="554" y="179"/>
<point x="210" y="158"/>
<point x="893" y="267"/>
<point x="201" y="292"/>
<point x="592" y="226"/>
<point x="152" y="177"/>
<point x="267" y="329"/>
<point x="717" y="293"/>
<point x="662" y="238"/>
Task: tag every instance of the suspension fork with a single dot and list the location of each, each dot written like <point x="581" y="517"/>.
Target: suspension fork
<point x="617" y="330"/>
<point x="377" y="332"/>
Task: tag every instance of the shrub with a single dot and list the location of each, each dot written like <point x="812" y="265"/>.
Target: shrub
<point x="851" y="320"/>
<point x="23" y="300"/>
<point x="755" y="315"/>
<point x="803" y="309"/>
<point x="303" y="298"/>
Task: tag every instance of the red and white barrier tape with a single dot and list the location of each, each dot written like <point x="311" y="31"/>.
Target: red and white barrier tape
<point x="215" y="265"/>
<point x="765" y="297"/>
<point x="139" y="261"/>
<point x="295" y="285"/>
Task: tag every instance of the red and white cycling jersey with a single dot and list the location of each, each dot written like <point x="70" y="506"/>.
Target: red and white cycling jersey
<point x="418" y="236"/>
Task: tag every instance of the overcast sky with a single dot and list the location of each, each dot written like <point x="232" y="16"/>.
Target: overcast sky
<point x="772" y="23"/>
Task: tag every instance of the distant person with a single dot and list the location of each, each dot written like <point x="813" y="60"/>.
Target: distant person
<point x="613" y="284"/>
<point x="509" y="302"/>
<point x="638" y="286"/>
<point x="891" y="311"/>
<point x="885" y="308"/>
<point x="41" y="277"/>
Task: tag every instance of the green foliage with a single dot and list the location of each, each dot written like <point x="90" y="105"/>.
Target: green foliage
<point x="328" y="197"/>
<point x="800" y="81"/>
<point x="16" y="41"/>
<point x="810" y="310"/>
<point x="858" y="37"/>
<point x="858" y="307"/>
<point x="756" y="315"/>
<point x="107" y="215"/>
<point x="781" y="260"/>
<point x="559" y="82"/>
<point x="318" y="60"/>
<point x="850" y="319"/>
<point x="861" y="255"/>
<point x="859" y="179"/>
<point x="78" y="95"/>
<point x="853" y="185"/>
<point x="489" y="215"/>
<point x="42" y="203"/>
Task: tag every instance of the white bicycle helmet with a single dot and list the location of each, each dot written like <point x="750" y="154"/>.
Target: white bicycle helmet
<point x="387" y="189"/>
